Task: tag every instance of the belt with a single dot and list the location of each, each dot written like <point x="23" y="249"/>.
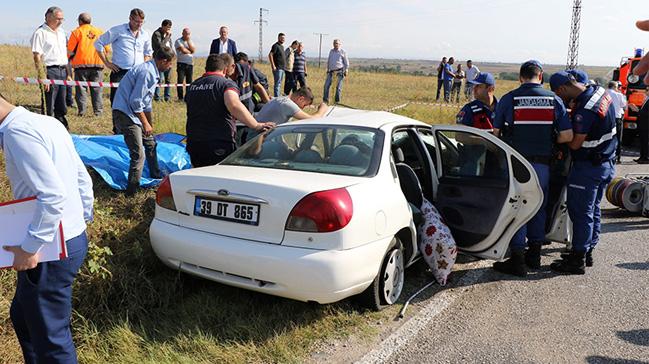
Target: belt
<point x="55" y="66"/>
<point x="539" y="159"/>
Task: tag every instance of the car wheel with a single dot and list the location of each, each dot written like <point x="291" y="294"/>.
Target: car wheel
<point x="386" y="288"/>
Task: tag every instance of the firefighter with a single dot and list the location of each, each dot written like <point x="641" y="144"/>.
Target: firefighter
<point x="593" y="153"/>
<point x="480" y="112"/>
<point x="528" y="118"/>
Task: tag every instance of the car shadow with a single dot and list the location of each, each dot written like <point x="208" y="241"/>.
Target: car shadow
<point x="597" y="359"/>
<point x="638" y="337"/>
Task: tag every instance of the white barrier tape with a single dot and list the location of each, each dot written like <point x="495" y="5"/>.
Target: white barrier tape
<point x="395" y="108"/>
<point x="34" y="81"/>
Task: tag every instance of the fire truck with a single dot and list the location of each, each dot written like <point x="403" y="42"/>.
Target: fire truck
<point x="633" y="88"/>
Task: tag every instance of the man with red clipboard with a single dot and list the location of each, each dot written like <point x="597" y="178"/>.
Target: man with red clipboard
<point x="41" y="161"/>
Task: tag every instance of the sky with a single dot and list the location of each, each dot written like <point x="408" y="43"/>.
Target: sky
<point x="482" y="30"/>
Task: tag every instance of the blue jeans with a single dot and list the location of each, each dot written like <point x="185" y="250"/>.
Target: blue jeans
<point x="448" y="85"/>
<point x="339" y="86"/>
<point x="278" y="76"/>
<point x="534" y="230"/>
<point x="165" y="77"/>
<point x="41" y="308"/>
<point x="586" y="186"/>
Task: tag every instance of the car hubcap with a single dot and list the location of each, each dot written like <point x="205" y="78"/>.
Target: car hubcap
<point x="393" y="277"/>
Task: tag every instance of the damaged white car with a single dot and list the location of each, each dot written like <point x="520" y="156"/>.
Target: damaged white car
<point x="325" y="209"/>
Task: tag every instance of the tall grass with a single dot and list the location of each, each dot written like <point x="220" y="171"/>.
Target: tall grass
<point x="129" y="308"/>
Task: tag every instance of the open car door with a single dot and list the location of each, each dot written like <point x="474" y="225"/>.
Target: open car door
<point x="486" y="190"/>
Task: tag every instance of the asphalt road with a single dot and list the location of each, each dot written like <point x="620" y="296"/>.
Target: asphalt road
<point x="600" y="317"/>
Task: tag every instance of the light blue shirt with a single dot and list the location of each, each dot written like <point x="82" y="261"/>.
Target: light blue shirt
<point x="135" y="91"/>
<point x="128" y="50"/>
<point x="41" y="161"/>
<point x="337" y="60"/>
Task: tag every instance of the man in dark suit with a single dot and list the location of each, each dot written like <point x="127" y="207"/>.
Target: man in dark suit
<point x="223" y="44"/>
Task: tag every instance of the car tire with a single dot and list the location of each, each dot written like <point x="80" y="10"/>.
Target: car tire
<point x="388" y="284"/>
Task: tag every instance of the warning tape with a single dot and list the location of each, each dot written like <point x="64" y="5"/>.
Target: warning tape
<point x="35" y="81"/>
<point x="398" y="107"/>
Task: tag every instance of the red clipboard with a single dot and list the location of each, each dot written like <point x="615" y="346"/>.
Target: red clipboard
<point x="15" y="213"/>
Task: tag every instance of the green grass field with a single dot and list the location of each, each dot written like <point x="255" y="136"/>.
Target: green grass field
<point x="129" y="308"/>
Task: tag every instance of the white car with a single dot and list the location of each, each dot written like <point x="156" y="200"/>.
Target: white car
<point x="325" y="209"/>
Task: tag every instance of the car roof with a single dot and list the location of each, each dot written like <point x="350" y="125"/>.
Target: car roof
<point x="367" y="118"/>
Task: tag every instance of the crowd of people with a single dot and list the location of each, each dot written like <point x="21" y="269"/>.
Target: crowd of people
<point x="451" y="80"/>
<point x="41" y="160"/>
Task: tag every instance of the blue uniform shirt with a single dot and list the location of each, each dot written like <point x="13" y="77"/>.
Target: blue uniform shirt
<point x="135" y="91"/>
<point x="594" y="116"/>
<point x="448" y="70"/>
<point x="505" y="110"/>
<point x="477" y="114"/>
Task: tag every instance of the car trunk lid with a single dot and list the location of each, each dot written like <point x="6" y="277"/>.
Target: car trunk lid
<point x="206" y="199"/>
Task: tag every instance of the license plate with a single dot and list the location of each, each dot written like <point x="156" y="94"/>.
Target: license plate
<point x="242" y="213"/>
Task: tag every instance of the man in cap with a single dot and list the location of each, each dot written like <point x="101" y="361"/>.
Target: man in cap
<point x="480" y="112"/>
<point x="593" y="152"/>
<point x="531" y="119"/>
<point x="579" y="75"/>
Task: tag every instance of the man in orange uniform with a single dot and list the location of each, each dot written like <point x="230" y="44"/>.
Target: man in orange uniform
<point x="86" y="62"/>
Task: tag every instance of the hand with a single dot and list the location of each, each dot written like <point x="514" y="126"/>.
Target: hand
<point x="345" y="73"/>
<point x="147" y="129"/>
<point x="22" y="259"/>
<point x="46" y="87"/>
<point x="305" y="74"/>
<point x="323" y="105"/>
<point x="643" y="65"/>
<point x="274" y="68"/>
<point x="111" y="66"/>
<point x="264" y="126"/>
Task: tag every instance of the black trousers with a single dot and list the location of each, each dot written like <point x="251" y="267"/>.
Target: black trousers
<point x="204" y="154"/>
<point x="300" y="78"/>
<point x="55" y="98"/>
<point x="644" y="143"/>
<point x="289" y="83"/>
<point x="185" y="74"/>
<point x="115" y="77"/>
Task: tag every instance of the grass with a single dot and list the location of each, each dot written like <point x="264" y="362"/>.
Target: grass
<point x="129" y="308"/>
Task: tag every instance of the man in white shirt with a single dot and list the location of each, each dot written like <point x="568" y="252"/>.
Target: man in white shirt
<point x="619" y="104"/>
<point x="471" y="73"/>
<point x="41" y="161"/>
<point x="49" y="47"/>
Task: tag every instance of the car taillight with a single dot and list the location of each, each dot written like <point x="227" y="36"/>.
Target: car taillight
<point x="322" y="212"/>
<point x="164" y="197"/>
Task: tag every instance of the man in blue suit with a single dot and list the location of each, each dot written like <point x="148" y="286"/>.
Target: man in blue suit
<point x="223" y="44"/>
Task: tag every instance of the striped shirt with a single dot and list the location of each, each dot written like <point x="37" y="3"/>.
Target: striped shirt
<point x="299" y="64"/>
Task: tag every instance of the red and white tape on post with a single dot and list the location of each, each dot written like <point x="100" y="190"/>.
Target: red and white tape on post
<point x="35" y="81"/>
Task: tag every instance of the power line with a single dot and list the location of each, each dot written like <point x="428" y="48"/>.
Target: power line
<point x="573" y="43"/>
<point x="261" y="22"/>
<point x="320" y="48"/>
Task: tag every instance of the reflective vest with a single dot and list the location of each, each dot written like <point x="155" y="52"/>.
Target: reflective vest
<point x="600" y="143"/>
<point x="533" y="119"/>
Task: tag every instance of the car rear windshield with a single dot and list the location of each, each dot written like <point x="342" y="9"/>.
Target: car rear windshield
<point x="343" y="150"/>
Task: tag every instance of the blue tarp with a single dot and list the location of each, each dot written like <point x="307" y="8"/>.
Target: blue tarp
<point x="108" y="155"/>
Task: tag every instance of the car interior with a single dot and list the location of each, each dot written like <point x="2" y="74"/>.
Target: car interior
<point x="473" y="186"/>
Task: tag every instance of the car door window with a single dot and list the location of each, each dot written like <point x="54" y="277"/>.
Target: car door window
<point x="469" y="155"/>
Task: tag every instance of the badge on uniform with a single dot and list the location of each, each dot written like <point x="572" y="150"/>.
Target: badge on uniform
<point x="459" y="117"/>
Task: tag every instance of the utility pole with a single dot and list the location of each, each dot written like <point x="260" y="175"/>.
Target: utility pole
<point x="261" y="22"/>
<point x="573" y="44"/>
<point x="320" y="48"/>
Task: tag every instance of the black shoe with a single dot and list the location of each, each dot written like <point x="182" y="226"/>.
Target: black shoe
<point x="573" y="264"/>
<point x="641" y="160"/>
<point x="515" y="265"/>
<point x="533" y="255"/>
<point x="589" y="258"/>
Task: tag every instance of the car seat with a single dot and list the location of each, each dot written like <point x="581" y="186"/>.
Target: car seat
<point x="348" y="155"/>
<point x="275" y="150"/>
<point x="410" y="186"/>
<point x="307" y="156"/>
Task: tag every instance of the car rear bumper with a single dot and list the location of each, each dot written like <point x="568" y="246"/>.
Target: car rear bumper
<point x="322" y="276"/>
